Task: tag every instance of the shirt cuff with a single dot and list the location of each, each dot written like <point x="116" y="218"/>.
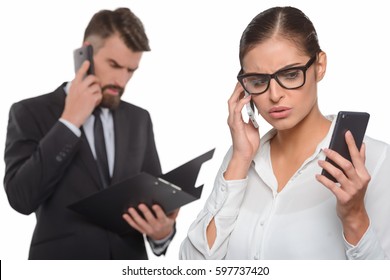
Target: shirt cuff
<point x="160" y="246"/>
<point x="72" y="127"/>
<point x="162" y="241"/>
<point x="367" y="248"/>
<point x="228" y="194"/>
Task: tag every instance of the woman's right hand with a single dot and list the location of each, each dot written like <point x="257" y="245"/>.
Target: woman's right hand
<point x="245" y="137"/>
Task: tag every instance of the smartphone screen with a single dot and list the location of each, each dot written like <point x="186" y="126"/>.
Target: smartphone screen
<point x="82" y="54"/>
<point x="356" y="122"/>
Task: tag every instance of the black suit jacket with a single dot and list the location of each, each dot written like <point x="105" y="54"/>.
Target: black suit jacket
<point x="48" y="167"/>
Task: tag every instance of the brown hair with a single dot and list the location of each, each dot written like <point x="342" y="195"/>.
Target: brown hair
<point x="105" y="23"/>
<point x="287" y="22"/>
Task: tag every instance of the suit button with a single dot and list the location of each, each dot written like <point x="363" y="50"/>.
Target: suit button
<point x="59" y="158"/>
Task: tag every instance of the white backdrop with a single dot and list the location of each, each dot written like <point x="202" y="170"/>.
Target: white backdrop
<point x="185" y="81"/>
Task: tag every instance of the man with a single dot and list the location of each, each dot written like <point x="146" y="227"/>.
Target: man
<point x="51" y="158"/>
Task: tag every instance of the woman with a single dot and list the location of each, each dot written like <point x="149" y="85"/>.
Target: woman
<point x="269" y="201"/>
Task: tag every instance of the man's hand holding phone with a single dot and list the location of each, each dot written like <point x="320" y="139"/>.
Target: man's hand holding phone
<point x="245" y="136"/>
<point x="83" y="96"/>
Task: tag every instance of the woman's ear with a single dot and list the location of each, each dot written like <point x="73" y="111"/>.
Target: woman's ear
<point x="321" y="66"/>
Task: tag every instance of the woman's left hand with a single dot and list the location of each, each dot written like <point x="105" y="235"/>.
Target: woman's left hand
<point x="353" y="179"/>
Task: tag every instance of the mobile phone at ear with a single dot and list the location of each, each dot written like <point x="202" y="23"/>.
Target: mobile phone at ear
<point x="82" y="54"/>
<point x="250" y="108"/>
<point x="356" y="122"/>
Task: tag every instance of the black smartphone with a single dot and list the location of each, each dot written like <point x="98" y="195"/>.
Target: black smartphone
<point x="356" y="122"/>
<point x="82" y="54"/>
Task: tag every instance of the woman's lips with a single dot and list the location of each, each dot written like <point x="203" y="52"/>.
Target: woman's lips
<point x="279" y="112"/>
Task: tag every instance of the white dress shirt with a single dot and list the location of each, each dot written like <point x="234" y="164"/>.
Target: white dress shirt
<point x="254" y="221"/>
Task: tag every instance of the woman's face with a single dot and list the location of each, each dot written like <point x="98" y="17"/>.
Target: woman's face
<point x="284" y="108"/>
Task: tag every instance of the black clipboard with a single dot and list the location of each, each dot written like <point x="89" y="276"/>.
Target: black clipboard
<point x="171" y="191"/>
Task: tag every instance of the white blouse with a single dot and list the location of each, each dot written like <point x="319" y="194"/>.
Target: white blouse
<point x="254" y="221"/>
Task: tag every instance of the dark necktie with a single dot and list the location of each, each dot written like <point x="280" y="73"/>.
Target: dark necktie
<point x="100" y="148"/>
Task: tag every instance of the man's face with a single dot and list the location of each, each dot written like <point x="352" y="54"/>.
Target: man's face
<point x="114" y="65"/>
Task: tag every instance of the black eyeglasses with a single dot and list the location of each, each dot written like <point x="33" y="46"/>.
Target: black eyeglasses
<point x="290" y="78"/>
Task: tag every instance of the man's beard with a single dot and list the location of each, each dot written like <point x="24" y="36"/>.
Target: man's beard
<point x="111" y="101"/>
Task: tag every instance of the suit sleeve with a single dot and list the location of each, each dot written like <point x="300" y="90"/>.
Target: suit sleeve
<point x="36" y="157"/>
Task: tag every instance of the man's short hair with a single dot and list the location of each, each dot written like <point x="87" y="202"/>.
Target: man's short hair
<point x="106" y="23"/>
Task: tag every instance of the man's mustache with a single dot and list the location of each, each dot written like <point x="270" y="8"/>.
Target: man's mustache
<point x="113" y="87"/>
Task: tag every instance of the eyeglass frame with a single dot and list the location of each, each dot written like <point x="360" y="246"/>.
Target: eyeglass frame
<point x="303" y="68"/>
